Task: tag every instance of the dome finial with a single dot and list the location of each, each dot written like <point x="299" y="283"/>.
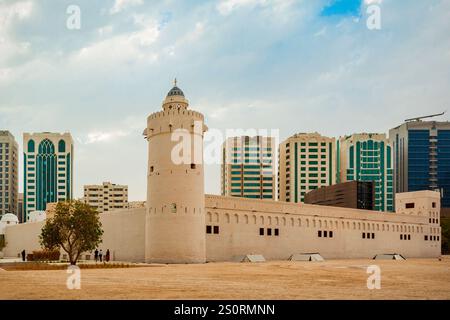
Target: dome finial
<point x="175" y="82"/>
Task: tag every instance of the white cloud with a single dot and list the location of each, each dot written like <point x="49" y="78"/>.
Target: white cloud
<point x="226" y="7"/>
<point x="9" y="14"/>
<point x="120" y="5"/>
<point x="369" y="2"/>
<point x="133" y="46"/>
<point x="102" y="136"/>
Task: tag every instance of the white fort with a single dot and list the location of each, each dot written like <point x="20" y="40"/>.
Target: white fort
<point x="183" y="225"/>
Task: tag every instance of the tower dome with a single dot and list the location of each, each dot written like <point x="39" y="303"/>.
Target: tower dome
<point x="175" y="91"/>
<point x="175" y="99"/>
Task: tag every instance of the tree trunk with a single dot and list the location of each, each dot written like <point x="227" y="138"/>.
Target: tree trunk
<point x="72" y="260"/>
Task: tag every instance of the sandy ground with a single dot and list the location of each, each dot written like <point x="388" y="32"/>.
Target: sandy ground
<point x="334" y="279"/>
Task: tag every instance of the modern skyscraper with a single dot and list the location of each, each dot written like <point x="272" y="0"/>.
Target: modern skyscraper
<point x="48" y="170"/>
<point x="368" y="157"/>
<point x="422" y="157"/>
<point x="307" y="162"/>
<point x="248" y="167"/>
<point x="9" y="181"/>
<point x="106" y="197"/>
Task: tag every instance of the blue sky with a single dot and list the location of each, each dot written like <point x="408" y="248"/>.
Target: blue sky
<point x="293" y="65"/>
<point x="343" y="7"/>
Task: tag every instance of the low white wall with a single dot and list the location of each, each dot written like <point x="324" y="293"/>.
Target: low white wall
<point x="239" y="221"/>
<point x="124" y="236"/>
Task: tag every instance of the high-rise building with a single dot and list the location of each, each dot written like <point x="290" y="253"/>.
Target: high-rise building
<point x="106" y="197"/>
<point x="248" y="167"/>
<point x="422" y="157"/>
<point x="9" y="181"/>
<point x="307" y="162"/>
<point x="368" y="157"/>
<point x="48" y="170"/>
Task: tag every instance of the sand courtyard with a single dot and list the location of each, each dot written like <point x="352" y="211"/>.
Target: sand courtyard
<point x="332" y="279"/>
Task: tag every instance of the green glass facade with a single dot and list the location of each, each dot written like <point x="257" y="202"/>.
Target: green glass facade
<point x="371" y="160"/>
<point x="48" y="166"/>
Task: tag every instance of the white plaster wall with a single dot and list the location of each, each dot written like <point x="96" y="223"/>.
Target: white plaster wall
<point x="124" y="236"/>
<point x="239" y="221"/>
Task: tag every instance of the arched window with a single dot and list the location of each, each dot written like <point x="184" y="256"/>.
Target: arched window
<point x="61" y="146"/>
<point x="31" y="146"/>
<point x="46" y="147"/>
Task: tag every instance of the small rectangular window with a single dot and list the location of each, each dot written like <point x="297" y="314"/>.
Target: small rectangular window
<point x="426" y="238"/>
<point x="409" y="205"/>
<point x="261" y="231"/>
<point x="373" y="235"/>
<point x="192" y="165"/>
<point x="434" y="204"/>
<point x="401" y="237"/>
<point x="269" y="231"/>
<point x="325" y="234"/>
<point x="363" y="235"/>
<point x="216" y="229"/>
<point x="277" y="232"/>
<point x="409" y="237"/>
<point x="331" y="234"/>
<point x="208" y="229"/>
<point x="319" y="234"/>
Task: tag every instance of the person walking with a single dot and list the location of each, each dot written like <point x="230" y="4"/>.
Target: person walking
<point x="96" y="255"/>
<point x="100" y="255"/>
<point x="107" y="255"/>
<point x="23" y="255"/>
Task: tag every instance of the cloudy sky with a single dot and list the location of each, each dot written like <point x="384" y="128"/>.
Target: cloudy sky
<point x="293" y="65"/>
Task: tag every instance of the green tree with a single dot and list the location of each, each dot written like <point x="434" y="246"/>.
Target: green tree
<point x="445" y="225"/>
<point x="2" y="241"/>
<point x="75" y="227"/>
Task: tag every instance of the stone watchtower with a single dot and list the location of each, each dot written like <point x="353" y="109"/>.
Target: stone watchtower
<point x="175" y="220"/>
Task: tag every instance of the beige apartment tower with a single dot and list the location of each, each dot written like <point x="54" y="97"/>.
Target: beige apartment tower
<point x="9" y="172"/>
<point x="106" y="197"/>
<point x="175" y="223"/>
<point x="307" y="162"/>
<point x="248" y="167"/>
